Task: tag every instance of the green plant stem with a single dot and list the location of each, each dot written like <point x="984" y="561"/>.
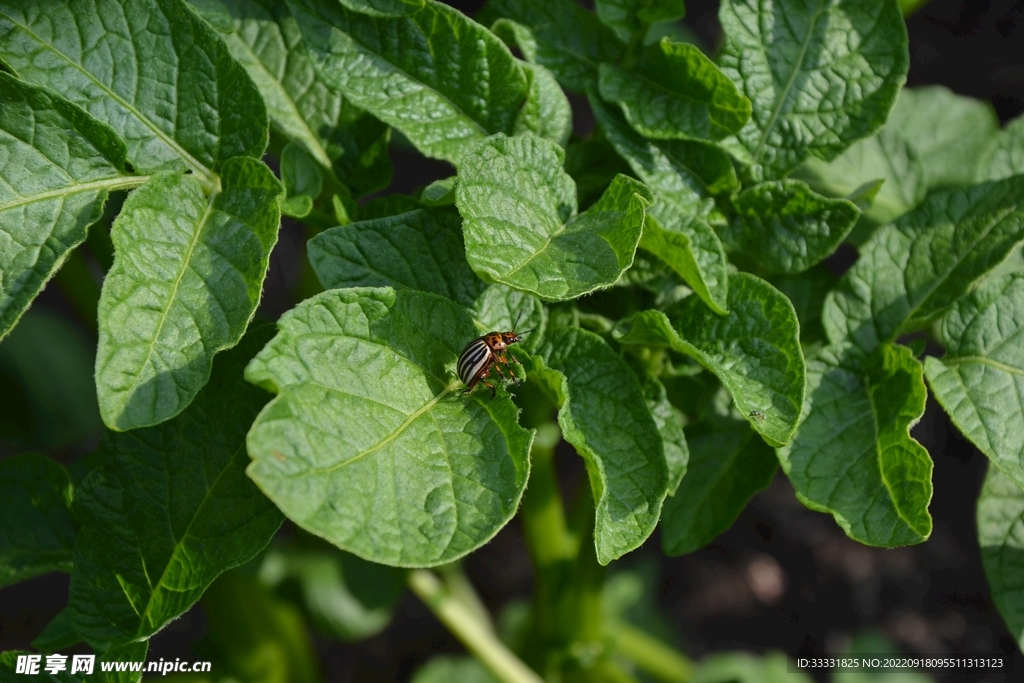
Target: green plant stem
<point x="653" y="656"/>
<point x="462" y="622"/>
<point x="461" y="588"/>
<point x="543" y="515"/>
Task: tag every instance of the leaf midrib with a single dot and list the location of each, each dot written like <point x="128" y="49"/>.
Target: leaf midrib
<point x="983" y="360"/>
<point x="395" y="433"/>
<point x="127" y="393"/>
<point x="119" y="182"/>
<point x="169" y="141"/>
<point x="144" y="618"/>
<point x="941" y="278"/>
<point x="789" y="83"/>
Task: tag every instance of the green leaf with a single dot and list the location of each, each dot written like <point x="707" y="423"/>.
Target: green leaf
<point x="151" y="69"/>
<point x="1001" y="537"/>
<point x="629" y="16"/>
<point x="670" y="425"/>
<point x="299" y="173"/>
<point x="265" y="38"/>
<point x="1006" y="157"/>
<point x="546" y="111"/>
<point x="754" y="350"/>
<point x="603" y="414"/>
<point x="728" y="465"/>
<point x="446" y="668"/>
<point x="674" y="91"/>
<point x="980" y="380"/>
<point x="58" y="166"/>
<point x="59" y="634"/>
<point x="419" y="250"/>
<point x="37" y="534"/>
<point x="911" y="271"/>
<point x="853" y="455"/>
<point x="950" y="133"/>
<point x="933" y="139"/>
<point x="787" y="226"/>
<point x="169" y="510"/>
<point x="186" y="280"/>
<point x="558" y="34"/>
<point x="370" y="443"/>
<point x="820" y="75"/>
<point x="345" y="596"/>
<point x="521" y="227"/>
<point x="683" y="174"/>
<point x="411" y="72"/>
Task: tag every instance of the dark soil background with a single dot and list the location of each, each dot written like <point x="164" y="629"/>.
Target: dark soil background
<point x="782" y="577"/>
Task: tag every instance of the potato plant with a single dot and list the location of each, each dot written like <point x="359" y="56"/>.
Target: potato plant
<point x="687" y="339"/>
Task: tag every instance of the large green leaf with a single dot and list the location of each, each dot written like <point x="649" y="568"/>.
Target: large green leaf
<point x="911" y="271"/>
<point x="37" y="534"/>
<point x="1006" y="158"/>
<point x="933" y="139"/>
<point x="853" y="455"/>
<point x="980" y="380"/>
<point x="57" y="165"/>
<point x="521" y="226"/>
<point x="1001" y="537"/>
<point x="786" y="226"/>
<point x="728" y="465"/>
<point x="603" y="414"/>
<point x="419" y="250"/>
<point x="678" y="233"/>
<point x="754" y="350"/>
<point x="370" y="443"/>
<point x="187" y="277"/>
<point x="674" y="91"/>
<point x="820" y="74"/>
<point x="412" y="72"/>
<point x="169" y="509"/>
<point x="558" y="34"/>
<point x="265" y="38"/>
<point x="151" y="69"/>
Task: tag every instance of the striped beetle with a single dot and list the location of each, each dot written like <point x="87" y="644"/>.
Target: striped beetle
<point x="486" y="352"/>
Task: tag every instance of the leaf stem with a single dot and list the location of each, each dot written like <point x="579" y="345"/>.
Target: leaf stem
<point x="465" y="625"/>
<point x="459" y="585"/>
<point x="653" y="656"/>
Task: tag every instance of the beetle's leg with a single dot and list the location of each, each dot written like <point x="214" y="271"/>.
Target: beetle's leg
<point x="502" y="358"/>
<point x="494" y="392"/>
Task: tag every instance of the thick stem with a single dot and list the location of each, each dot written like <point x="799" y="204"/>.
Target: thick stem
<point x="653" y="656"/>
<point x="462" y="622"/>
<point x="459" y="585"/>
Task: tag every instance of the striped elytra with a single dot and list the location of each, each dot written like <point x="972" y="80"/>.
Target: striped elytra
<point x="476" y="357"/>
<point x="484" y="354"/>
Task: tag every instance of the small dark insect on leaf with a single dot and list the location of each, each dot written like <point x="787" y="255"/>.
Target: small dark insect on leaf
<point x="757" y="415"/>
<point x="486" y="353"/>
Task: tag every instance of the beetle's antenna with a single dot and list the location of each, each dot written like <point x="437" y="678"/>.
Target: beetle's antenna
<point x="516" y="323"/>
<point x="524" y="332"/>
